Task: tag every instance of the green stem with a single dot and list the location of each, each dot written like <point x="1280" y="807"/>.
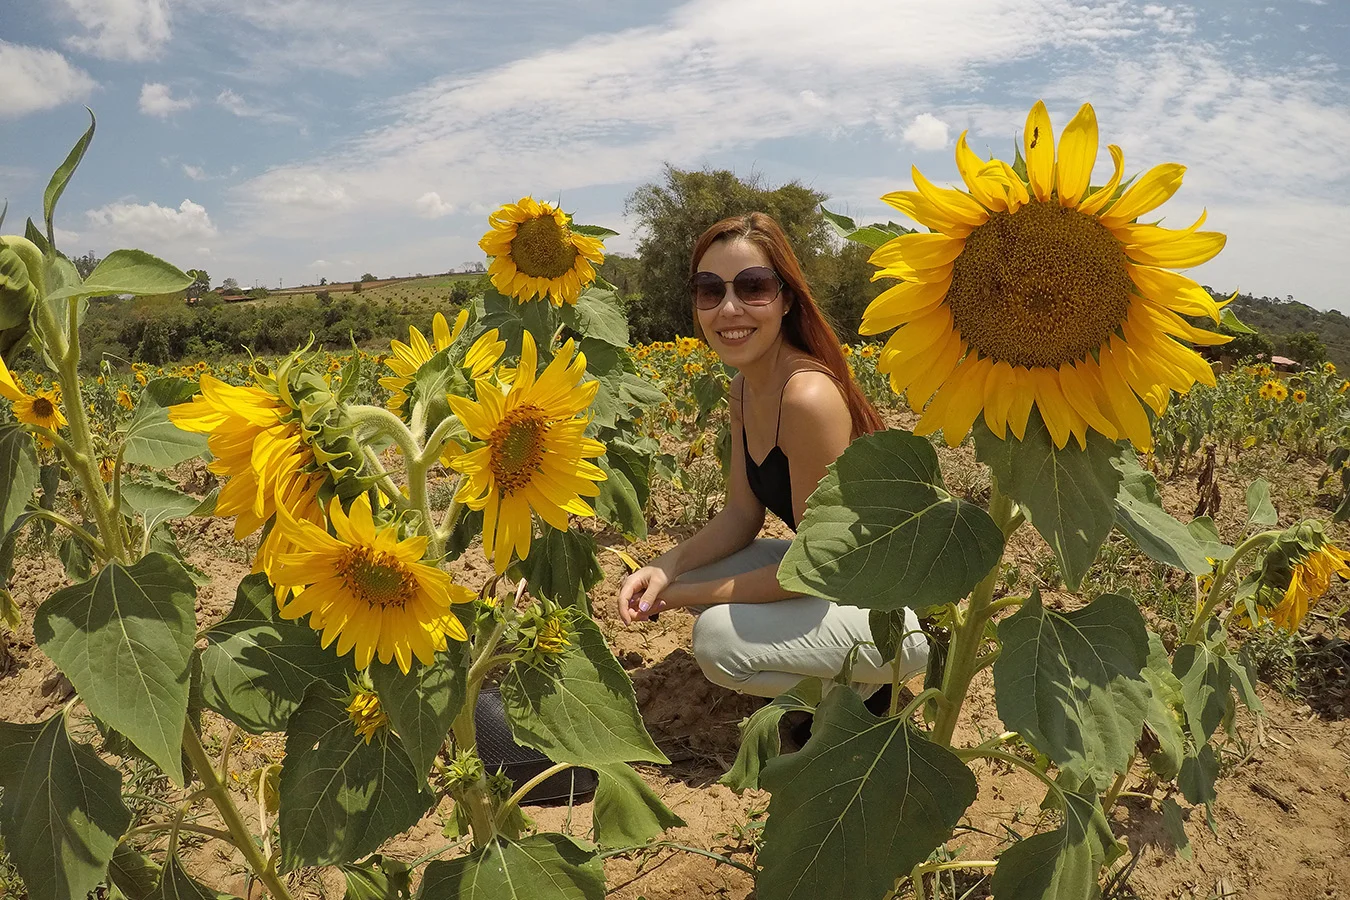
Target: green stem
<point x="155" y="827"/>
<point x="657" y="845"/>
<point x="384" y="480"/>
<point x="1222" y="571"/>
<point x="1012" y="760"/>
<point x="94" y="543"/>
<point x="464" y="727"/>
<point x="528" y="786"/>
<point x="242" y="838"/>
<point x="1109" y="800"/>
<point x="968" y="631"/>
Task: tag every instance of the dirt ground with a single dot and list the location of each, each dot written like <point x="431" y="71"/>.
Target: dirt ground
<point x="1282" y="820"/>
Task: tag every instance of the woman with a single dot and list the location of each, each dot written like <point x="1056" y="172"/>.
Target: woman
<point x="794" y="408"/>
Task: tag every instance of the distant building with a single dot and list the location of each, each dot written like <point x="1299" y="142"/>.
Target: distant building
<point x="235" y="297"/>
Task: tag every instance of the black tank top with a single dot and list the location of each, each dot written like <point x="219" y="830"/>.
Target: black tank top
<point x="770" y="479"/>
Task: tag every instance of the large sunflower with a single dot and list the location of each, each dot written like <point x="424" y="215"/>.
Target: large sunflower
<point x="535" y="252"/>
<point x="41" y="408"/>
<point x="365" y="588"/>
<point x="1039" y="290"/>
<point x="1311" y="579"/>
<point x="257" y="445"/>
<point x="534" y="453"/>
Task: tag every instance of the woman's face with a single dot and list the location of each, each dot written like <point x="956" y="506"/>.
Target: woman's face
<point x="738" y="333"/>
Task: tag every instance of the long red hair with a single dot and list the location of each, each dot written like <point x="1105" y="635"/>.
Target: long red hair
<point x="804" y="325"/>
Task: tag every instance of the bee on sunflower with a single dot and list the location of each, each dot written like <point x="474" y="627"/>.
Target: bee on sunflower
<point x="1034" y="289"/>
<point x="536" y="253"/>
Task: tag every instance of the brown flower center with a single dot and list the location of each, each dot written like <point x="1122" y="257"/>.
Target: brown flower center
<point x="542" y="248"/>
<point x="518" y="447"/>
<point x="375" y="578"/>
<point x="43" y="408"/>
<point x="1043" y="286"/>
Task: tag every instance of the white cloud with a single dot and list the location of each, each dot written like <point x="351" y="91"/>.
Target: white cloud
<point x="119" y="29"/>
<point x="36" y="79"/>
<point x="65" y="238"/>
<point x="233" y="103"/>
<point x="132" y="223"/>
<point x="157" y="100"/>
<point x="195" y="173"/>
<point x="309" y="191"/>
<point x="431" y="206"/>
<point x="320" y="264"/>
<point x="926" y="132"/>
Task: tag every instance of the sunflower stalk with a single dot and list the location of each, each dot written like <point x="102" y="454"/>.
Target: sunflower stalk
<point x="964" y="659"/>
<point x="1221" y="574"/>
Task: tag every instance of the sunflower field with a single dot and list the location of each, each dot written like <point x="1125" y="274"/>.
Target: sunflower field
<point x="415" y="531"/>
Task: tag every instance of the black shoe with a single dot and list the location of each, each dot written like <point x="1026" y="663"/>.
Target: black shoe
<point x="879" y="704"/>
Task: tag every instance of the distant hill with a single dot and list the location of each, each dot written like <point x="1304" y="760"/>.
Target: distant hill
<point x="1278" y="319"/>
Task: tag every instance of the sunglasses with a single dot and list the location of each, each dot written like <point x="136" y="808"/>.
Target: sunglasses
<point x="755" y="286"/>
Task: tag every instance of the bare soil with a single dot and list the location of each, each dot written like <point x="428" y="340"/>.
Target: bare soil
<point x="1282" y="820"/>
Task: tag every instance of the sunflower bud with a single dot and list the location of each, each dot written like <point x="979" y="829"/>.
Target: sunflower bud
<point x="20" y="279"/>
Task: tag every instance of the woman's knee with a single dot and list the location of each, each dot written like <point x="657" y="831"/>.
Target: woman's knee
<point x="713" y="640"/>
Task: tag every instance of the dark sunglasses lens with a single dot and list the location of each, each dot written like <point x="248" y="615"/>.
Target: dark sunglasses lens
<point x="756" y="286"/>
<point x="708" y="290"/>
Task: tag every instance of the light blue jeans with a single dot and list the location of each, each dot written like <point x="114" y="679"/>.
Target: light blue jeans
<point x="767" y="648"/>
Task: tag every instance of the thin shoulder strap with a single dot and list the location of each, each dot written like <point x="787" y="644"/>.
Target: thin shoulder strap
<point x="779" y="424"/>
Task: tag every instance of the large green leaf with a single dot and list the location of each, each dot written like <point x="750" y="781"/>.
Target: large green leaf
<point x="618" y="502"/>
<point x="597" y="314"/>
<point x="540" y="867"/>
<point x="124" y="639"/>
<point x="133" y="873"/>
<point x="176" y="884"/>
<point x="578" y="708"/>
<point x="151" y="439"/>
<point x="378" y="878"/>
<point x="422" y="704"/>
<point x="1175" y="827"/>
<point x="881" y="533"/>
<point x="1071" y="683"/>
<point x="627" y="811"/>
<point x="860" y="805"/>
<point x="1199" y="773"/>
<point x="127" y="272"/>
<point x="1166" y="711"/>
<point x="61" y="811"/>
<point x="1140" y="514"/>
<point x="1260" y="511"/>
<point x="759" y="734"/>
<point x="61" y="177"/>
<point x="257" y="665"/>
<point x="1068" y="495"/>
<point x="156" y="503"/>
<point x="562" y="567"/>
<point x="1060" y="864"/>
<point x="341" y="797"/>
<point x="512" y="320"/>
<point x="1205" y="679"/>
<point x="18" y="474"/>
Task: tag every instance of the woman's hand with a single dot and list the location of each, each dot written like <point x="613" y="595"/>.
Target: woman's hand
<point x="640" y="594"/>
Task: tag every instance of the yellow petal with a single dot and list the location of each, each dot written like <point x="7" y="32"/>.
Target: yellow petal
<point x="919" y="251"/>
<point x="1148" y="193"/>
<point x="1077" y="155"/>
<point x="1174" y="291"/>
<point x="957" y="205"/>
<point x="1100" y="197"/>
<point x="1039" y="141"/>
<point x="901" y="304"/>
<point x="988" y="193"/>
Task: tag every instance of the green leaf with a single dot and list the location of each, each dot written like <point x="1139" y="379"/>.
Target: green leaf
<point x="157" y="504"/>
<point x="860" y="805"/>
<point x="635" y="463"/>
<point x="1198" y="775"/>
<point x="627" y="811"/>
<point x="422" y="704"/>
<point x="257" y="665"/>
<point x="124" y="639"/>
<point x="61" y="812"/>
<point x="872" y="236"/>
<point x="1206" y="533"/>
<point x="759" y="734"/>
<point x="76" y="557"/>
<point x="176" y="884"/>
<point x="879" y="531"/>
<point x="512" y="320"/>
<point x="1068" y="495"/>
<point x="580" y="708"/>
<point x="1140" y="514"/>
<point x="127" y="272"/>
<point x="378" y="878"/>
<point x="1243" y="672"/>
<point x="1166" y="711"/>
<point x="597" y="314"/>
<point x="595" y="231"/>
<point x="1071" y="683"/>
<point x="341" y="798"/>
<point x="18" y="474"/>
<point x="152" y="440"/>
<point x="1229" y="318"/>
<point x="133" y="873"/>
<point x="541" y="867"/>
<point x="1205" y="679"/>
<point x="562" y="567"/>
<point x="1175" y="827"/>
<point x="618" y="502"/>
<point x="1260" y="511"/>
<point x="1060" y="864"/>
<point x="17" y="291"/>
<point x="61" y="177"/>
<point x="165" y="392"/>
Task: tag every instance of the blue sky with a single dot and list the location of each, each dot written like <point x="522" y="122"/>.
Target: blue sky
<point x="281" y="140"/>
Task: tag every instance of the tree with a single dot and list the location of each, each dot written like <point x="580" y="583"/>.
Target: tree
<point x="323" y="281"/>
<point x="1244" y="346"/>
<point x="368" y="277"/>
<point x="229" y="284"/>
<point x="1305" y="347"/>
<point x="86" y="264"/>
<point x="201" y="283"/>
<point x="672" y="215"/>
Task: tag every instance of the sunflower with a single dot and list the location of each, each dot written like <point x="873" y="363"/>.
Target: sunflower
<point x="256" y="442"/>
<point x="534" y="450"/>
<point x="367" y="715"/>
<point x="1300" y="396"/>
<point x="1038" y="290"/>
<point x="365" y="588"/>
<point x="535" y="252"/>
<point x="1329" y="368"/>
<point x="1311" y="579"/>
<point x="407" y="358"/>
<point x="1279" y="392"/>
<point x="1267" y="391"/>
<point x="124" y="398"/>
<point x="42" y="408"/>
